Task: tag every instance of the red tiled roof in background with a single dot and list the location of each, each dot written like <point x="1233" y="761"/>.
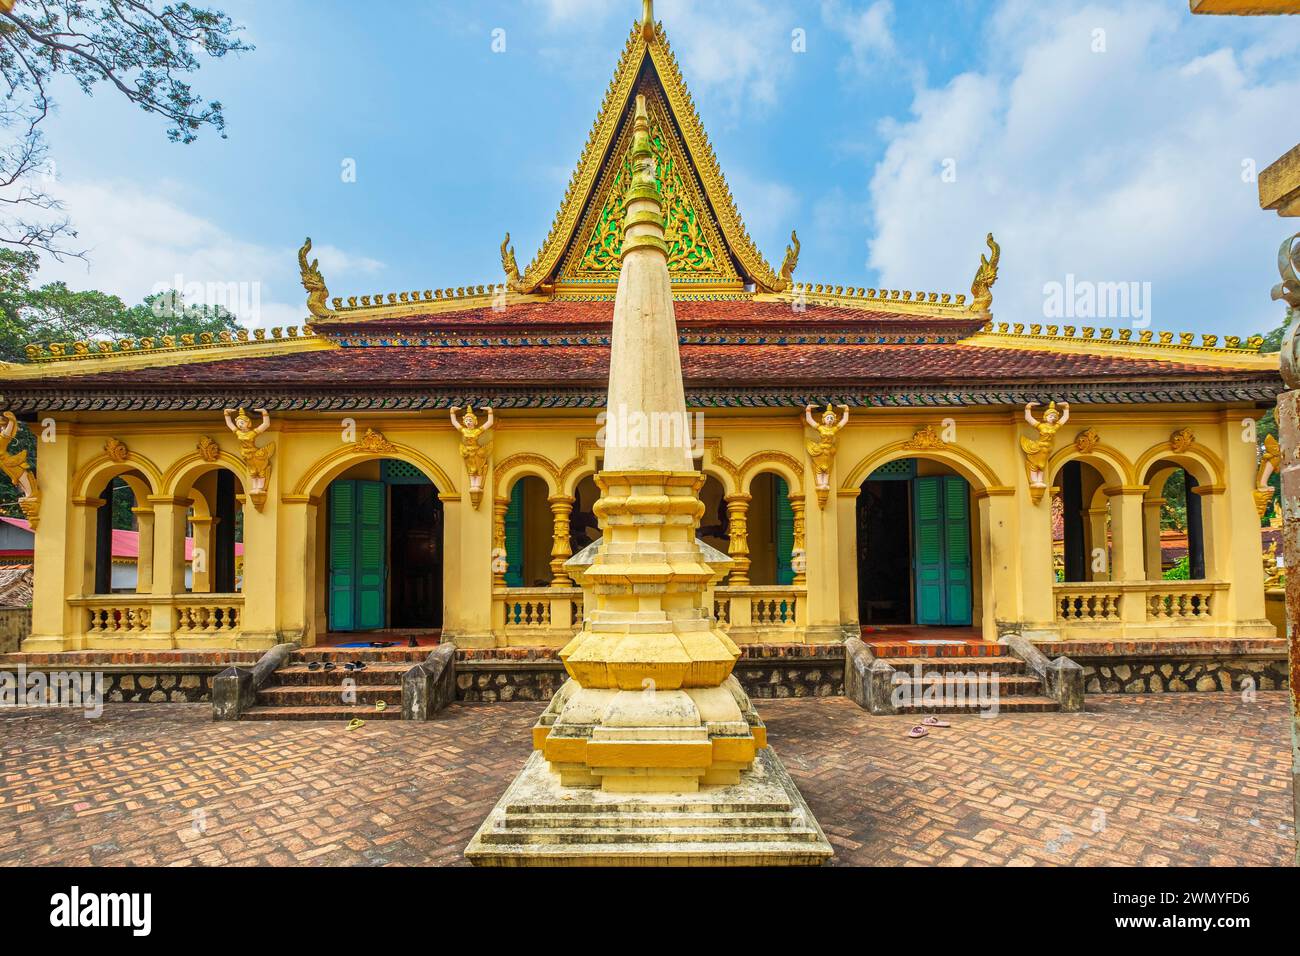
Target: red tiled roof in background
<point x="126" y="544"/>
<point x="701" y="365"/>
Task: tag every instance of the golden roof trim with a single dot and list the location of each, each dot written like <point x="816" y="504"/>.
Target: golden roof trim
<point x="1186" y="340"/>
<point x="1233" y="353"/>
<point x="47" y="352"/>
<point x="926" y="303"/>
<point x="460" y="297"/>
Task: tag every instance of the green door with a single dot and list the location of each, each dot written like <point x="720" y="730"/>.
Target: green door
<point x="941" y="555"/>
<point x="784" y="525"/>
<point x="515" y="537"/>
<point x="358" y="552"/>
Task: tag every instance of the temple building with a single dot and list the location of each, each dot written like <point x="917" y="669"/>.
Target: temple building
<point x="423" y="461"/>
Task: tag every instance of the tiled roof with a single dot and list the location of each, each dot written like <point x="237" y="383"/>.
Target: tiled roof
<point x="702" y="365"/>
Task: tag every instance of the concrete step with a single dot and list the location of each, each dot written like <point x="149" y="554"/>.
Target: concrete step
<point x="1000" y="663"/>
<point x="341" y="655"/>
<point x="366" y="695"/>
<point x="332" y="714"/>
<point x="560" y="821"/>
<point x="585" y="837"/>
<point x="1008" y="685"/>
<point x="300" y="675"/>
<point x="1014" y="704"/>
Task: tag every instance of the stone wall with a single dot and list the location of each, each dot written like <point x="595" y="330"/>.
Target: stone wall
<point x="15" y="625"/>
<point x="158" y="688"/>
<point x="1156" y="667"/>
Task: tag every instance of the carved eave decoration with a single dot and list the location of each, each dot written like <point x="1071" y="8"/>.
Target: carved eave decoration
<point x="1086" y="442"/>
<point x="375" y="443"/>
<point x="925" y="439"/>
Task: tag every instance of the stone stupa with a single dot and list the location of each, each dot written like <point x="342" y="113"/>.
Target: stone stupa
<point x="651" y="753"/>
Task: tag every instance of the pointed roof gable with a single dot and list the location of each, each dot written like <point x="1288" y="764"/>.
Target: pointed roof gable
<point x="710" y="247"/>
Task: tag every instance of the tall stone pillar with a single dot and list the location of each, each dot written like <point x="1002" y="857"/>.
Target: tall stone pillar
<point x="738" y="538"/>
<point x="57" y="562"/>
<point x="651" y="707"/>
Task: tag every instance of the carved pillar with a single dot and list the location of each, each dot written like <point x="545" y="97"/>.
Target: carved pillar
<point x="799" y="552"/>
<point x="499" y="508"/>
<point x="561" y="549"/>
<point x="738" y="545"/>
<point x="144" y="560"/>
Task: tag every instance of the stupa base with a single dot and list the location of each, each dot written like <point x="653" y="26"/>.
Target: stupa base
<point x="760" y="821"/>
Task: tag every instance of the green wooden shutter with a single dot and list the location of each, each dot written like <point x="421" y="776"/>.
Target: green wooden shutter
<point x="372" y="547"/>
<point x="957" y="556"/>
<point x="342" y="555"/>
<point x="515" y="537"/>
<point x="927" y="508"/>
<point x="784" y="525"/>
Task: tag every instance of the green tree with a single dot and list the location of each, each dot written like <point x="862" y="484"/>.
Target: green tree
<point x="143" y="49"/>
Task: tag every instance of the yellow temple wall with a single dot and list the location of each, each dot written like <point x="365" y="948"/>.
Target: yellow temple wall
<point x="284" y="564"/>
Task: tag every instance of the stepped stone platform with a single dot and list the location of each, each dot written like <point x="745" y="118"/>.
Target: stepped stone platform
<point x="763" y="821"/>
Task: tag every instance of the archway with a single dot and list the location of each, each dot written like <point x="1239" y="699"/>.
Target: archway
<point x="1173" y="529"/>
<point x="530" y="533"/>
<point x="583" y="526"/>
<point x="117" y="539"/>
<point x="214" y="548"/>
<point x="771" y="530"/>
<point x="915" y="529"/>
<point x="1082" y="534"/>
<point x="380" y="550"/>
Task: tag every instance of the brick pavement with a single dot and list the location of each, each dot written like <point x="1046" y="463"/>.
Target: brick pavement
<point x="1159" y="779"/>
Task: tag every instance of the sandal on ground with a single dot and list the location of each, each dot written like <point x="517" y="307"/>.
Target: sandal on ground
<point x="355" y="723"/>
<point x="349" y="667"/>
<point x="935" y="722"/>
<point x="330" y="665"/>
<point x="314" y="666"/>
<point x="359" y="666"/>
<point x="380" y="705"/>
<point x="918" y="731"/>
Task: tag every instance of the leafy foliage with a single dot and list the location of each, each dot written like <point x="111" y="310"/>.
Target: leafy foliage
<point x="1181" y="570"/>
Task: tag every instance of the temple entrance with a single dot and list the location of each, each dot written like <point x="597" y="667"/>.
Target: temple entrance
<point x="385" y="549"/>
<point x="914" y="547"/>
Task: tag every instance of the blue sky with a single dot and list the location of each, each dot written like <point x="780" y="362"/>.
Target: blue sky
<point x="1109" y="141"/>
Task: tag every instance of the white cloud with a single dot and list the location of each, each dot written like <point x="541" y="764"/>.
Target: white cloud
<point x="868" y="32"/>
<point x="1117" y="166"/>
<point x="140" y="242"/>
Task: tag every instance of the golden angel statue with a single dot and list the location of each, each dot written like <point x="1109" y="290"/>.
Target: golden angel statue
<point x="256" y="460"/>
<point x="1038" y="450"/>
<point x="15" y="466"/>
<point x="822" y="451"/>
<point x="474" y="453"/>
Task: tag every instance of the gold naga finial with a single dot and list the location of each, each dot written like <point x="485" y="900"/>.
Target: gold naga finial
<point x="514" y="282"/>
<point x="981" y="289"/>
<point x="1288" y="267"/>
<point x="791" y="258"/>
<point x="317" y="292"/>
<point x="648" y="20"/>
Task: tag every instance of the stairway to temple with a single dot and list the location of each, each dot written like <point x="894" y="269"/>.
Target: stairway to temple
<point x="963" y="678"/>
<point x="298" y="692"/>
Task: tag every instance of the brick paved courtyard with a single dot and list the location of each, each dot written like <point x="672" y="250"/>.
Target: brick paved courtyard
<point x="1162" y="779"/>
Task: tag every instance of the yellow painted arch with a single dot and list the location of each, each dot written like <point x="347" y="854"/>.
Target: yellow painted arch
<point x="522" y="465"/>
<point x="970" y="466"/>
<point x="1206" y="466"/>
<point x="1114" y="466"/>
<point x="91" y="477"/>
<point x="181" y="476"/>
<point x="787" y="466"/>
<point x="330" y="466"/>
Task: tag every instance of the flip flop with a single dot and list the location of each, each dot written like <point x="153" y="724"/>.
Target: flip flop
<point x="349" y="667"/>
<point x="330" y="665"/>
<point x="355" y="723"/>
<point x="412" y="642"/>
<point x="918" y="731"/>
<point x="359" y="666"/>
<point x="935" y="722"/>
<point x="379" y="705"/>
<point x="314" y="666"/>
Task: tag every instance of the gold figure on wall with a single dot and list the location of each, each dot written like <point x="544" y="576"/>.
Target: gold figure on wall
<point x="822" y="451"/>
<point x="474" y="453"/>
<point x="18" y="469"/>
<point x="1269" y="462"/>
<point x="1038" y="451"/>
<point x="256" y="460"/>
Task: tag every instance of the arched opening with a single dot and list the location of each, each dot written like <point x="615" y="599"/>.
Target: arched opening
<point x="771" y="531"/>
<point x="714" y="529"/>
<point x="1082" y="536"/>
<point x="1174" y="525"/>
<point x="117" y="536"/>
<point x="380" y="544"/>
<point x="530" y="533"/>
<point x="914" y="538"/>
<point x="214" y="537"/>
<point x="583" y="526"/>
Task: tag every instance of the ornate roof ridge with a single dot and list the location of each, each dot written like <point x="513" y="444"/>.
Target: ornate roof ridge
<point x="98" y="349"/>
<point x="1232" y="344"/>
<point x="388" y="300"/>
<point x="859" y="296"/>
